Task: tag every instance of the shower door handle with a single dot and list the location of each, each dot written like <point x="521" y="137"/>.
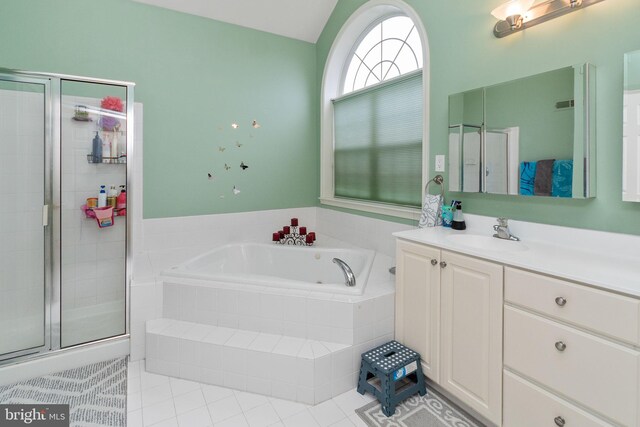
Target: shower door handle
<point x="45" y="215"/>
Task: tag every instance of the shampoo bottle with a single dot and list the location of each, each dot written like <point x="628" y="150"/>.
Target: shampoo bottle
<point x="111" y="196"/>
<point x="96" y="148"/>
<point x="106" y="148"/>
<point x="102" y="197"/>
<point x="122" y="198"/>
<point x="458" y="218"/>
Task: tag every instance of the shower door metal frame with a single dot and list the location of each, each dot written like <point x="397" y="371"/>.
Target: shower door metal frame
<point x="8" y="75"/>
<point x="53" y="199"/>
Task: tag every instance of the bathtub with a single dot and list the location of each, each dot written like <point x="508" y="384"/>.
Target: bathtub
<point x="278" y="266"/>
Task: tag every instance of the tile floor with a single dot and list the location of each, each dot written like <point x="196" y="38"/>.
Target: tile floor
<point x="161" y="401"/>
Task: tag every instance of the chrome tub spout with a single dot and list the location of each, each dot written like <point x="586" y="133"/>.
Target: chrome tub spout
<point x="349" y="277"/>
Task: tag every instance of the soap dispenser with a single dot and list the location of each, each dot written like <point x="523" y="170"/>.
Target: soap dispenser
<point x="458" y="218"/>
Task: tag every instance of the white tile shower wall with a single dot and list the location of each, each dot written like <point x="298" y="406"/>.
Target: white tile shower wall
<point x="360" y="231"/>
<point x="93" y="259"/>
<point x="134" y="194"/>
<point x="21" y="231"/>
<point x="146" y="304"/>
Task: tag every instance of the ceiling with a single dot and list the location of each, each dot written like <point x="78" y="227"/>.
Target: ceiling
<point x="298" y="19"/>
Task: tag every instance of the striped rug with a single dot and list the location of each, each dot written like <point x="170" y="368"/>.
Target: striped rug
<point x="96" y="394"/>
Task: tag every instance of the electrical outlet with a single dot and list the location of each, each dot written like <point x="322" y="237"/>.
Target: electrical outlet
<point x="440" y="163"/>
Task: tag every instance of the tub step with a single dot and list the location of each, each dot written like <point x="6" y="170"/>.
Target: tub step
<point x="286" y="367"/>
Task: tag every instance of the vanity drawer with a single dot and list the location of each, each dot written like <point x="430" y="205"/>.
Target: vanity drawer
<point x="527" y="405"/>
<point x="599" y="374"/>
<point x="604" y="312"/>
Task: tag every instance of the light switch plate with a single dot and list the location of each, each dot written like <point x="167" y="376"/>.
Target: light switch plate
<point x="440" y="163"/>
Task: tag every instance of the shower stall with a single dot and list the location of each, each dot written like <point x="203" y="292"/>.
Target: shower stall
<point x="63" y="275"/>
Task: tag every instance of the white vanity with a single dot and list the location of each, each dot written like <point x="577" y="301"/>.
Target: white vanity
<point x="543" y="332"/>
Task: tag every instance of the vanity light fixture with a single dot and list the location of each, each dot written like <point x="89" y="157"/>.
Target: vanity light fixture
<point x="516" y="15"/>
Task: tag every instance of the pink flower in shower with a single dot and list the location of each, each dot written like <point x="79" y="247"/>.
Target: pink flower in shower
<point x="112" y="103"/>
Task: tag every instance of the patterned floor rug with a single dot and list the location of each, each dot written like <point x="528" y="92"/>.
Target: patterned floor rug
<point x="431" y="410"/>
<point x="96" y="394"/>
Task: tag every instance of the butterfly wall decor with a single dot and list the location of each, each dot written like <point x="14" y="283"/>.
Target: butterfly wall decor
<point x="243" y="166"/>
<point x="210" y="176"/>
<point x="236" y="191"/>
<point x="238" y="144"/>
<point x="255" y="124"/>
<point x="221" y="149"/>
<point x="227" y="167"/>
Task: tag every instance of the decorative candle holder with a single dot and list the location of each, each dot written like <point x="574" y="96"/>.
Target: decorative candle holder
<point x="294" y="235"/>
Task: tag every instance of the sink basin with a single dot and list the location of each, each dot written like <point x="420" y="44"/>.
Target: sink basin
<point x="487" y="243"/>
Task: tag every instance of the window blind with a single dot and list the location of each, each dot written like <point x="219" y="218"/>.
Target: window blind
<point x="378" y="143"/>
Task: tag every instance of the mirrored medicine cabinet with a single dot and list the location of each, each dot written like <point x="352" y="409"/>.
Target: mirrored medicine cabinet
<point x="631" y="128"/>
<point x="529" y="137"/>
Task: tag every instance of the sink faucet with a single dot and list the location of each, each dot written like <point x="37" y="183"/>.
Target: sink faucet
<point x="502" y="230"/>
<point x="349" y="277"/>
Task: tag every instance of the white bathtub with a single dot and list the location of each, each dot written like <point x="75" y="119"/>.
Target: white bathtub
<point x="278" y="266"/>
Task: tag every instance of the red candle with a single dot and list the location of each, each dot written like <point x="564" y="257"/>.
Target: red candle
<point x="286" y="229"/>
<point x="281" y="234"/>
<point x="313" y="234"/>
<point x="294" y="221"/>
<point x="309" y="238"/>
<point x="276" y="237"/>
<point x="303" y="231"/>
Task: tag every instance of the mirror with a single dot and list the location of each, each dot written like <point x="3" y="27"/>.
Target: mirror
<point x="631" y="128"/>
<point x="527" y="137"/>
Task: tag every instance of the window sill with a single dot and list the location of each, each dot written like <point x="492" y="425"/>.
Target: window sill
<point x="375" y="208"/>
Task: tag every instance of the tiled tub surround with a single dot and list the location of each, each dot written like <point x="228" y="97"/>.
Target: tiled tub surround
<point x="291" y="344"/>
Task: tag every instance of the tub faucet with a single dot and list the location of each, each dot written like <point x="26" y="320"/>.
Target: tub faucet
<point x="502" y="230"/>
<point x="349" y="277"/>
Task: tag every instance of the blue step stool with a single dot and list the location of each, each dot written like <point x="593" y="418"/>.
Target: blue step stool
<point x="390" y="363"/>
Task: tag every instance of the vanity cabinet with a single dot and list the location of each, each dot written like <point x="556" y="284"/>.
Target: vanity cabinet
<point x="520" y="348"/>
<point x="471" y="338"/>
<point x="418" y="303"/>
<point x="577" y="342"/>
<point x="449" y="309"/>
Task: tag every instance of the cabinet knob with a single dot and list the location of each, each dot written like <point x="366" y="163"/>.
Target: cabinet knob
<point x="434" y="261"/>
<point x="559" y="421"/>
<point x="443" y="264"/>
<point x="561" y="301"/>
<point x="560" y="346"/>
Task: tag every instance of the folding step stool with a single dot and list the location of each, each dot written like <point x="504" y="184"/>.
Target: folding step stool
<point x="389" y="363"/>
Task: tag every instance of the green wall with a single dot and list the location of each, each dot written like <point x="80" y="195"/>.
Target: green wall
<point x="465" y="55"/>
<point x="530" y="103"/>
<point x="195" y="77"/>
<point x="632" y="71"/>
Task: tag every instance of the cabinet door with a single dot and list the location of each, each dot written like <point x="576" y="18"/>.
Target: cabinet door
<point x="418" y="302"/>
<point x="472" y="333"/>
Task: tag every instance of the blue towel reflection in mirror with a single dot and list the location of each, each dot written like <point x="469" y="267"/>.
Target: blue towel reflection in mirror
<point x="549" y="177"/>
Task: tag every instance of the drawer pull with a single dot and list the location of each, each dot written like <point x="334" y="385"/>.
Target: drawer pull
<point x="559" y="421"/>
<point x="434" y="261"/>
<point x="560" y="346"/>
<point x="443" y="264"/>
<point x="561" y="301"/>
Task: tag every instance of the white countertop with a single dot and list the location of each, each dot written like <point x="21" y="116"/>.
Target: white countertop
<point x="618" y="271"/>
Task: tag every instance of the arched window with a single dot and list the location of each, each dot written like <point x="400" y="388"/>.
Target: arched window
<point x="373" y="114"/>
<point x="390" y="49"/>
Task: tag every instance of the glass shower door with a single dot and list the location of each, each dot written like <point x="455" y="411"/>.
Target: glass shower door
<point x="93" y="125"/>
<point x="24" y="316"/>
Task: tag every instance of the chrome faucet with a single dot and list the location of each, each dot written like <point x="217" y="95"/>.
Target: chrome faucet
<point x="502" y="230"/>
<point x="349" y="277"/>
